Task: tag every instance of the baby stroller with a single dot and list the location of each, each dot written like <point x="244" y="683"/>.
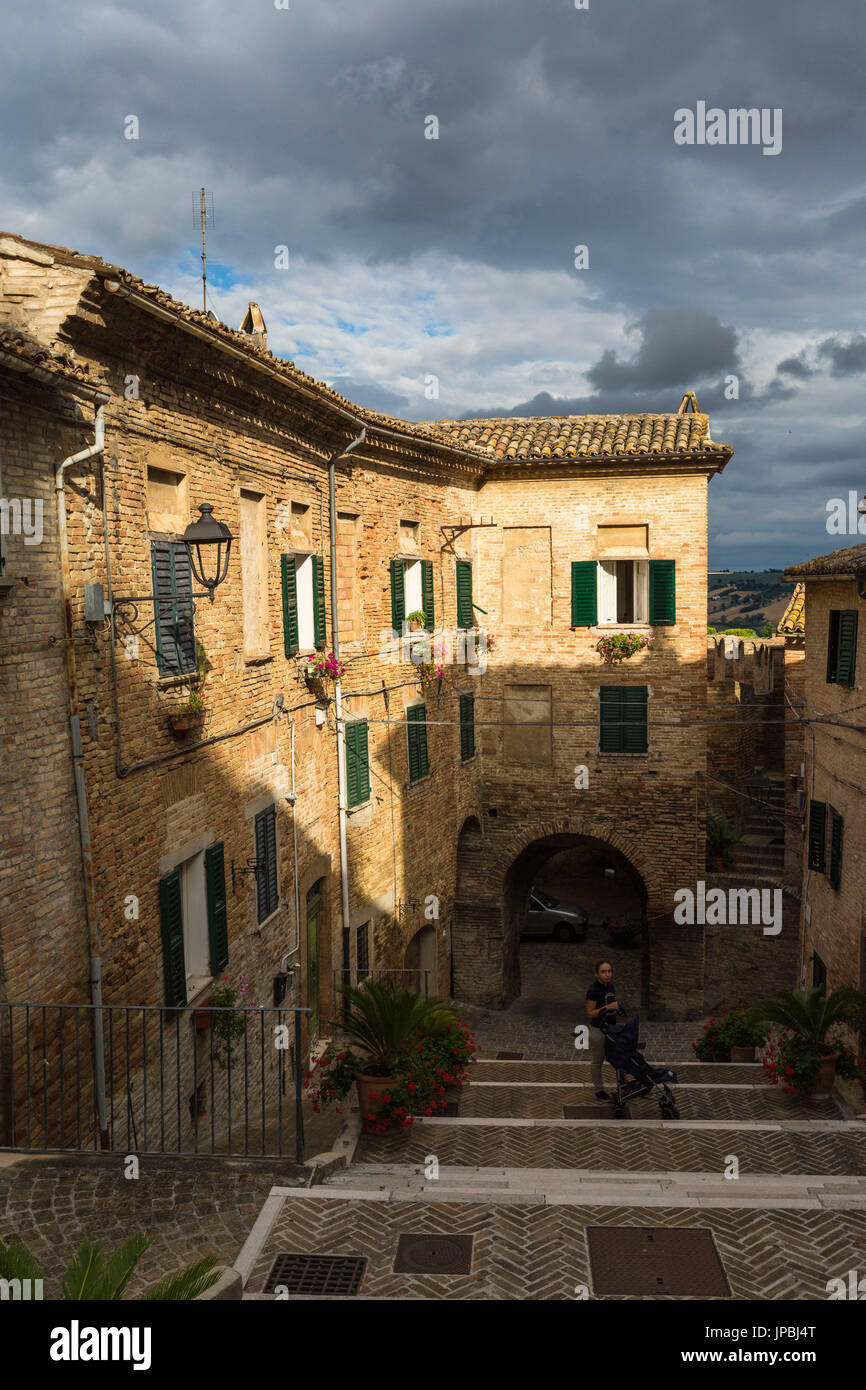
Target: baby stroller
<point x="634" y="1075"/>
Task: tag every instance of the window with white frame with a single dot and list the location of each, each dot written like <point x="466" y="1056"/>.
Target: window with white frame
<point x="413" y="586"/>
<point x="306" y="611"/>
<point x="623" y="591"/>
<point x="196" y="945"/>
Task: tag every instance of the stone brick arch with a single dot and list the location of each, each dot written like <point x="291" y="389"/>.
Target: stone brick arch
<point x="494" y="875"/>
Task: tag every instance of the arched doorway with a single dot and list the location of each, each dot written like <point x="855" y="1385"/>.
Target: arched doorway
<point x="584" y="898"/>
<point x="420" y="958"/>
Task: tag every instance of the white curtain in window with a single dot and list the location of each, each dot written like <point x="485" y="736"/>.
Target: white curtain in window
<point x="641" y="612"/>
<point x="607" y="591"/>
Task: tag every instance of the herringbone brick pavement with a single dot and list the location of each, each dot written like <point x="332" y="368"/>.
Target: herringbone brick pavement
<point x="711" y="1103"/>
<point x="540" y="1253"/>
<point x="832" y="1152"/>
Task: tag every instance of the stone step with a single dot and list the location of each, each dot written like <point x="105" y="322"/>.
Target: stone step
<point x="828" y="1148"/>
<point x="555" y="1073"/>
<point x="603" y="1188"/>
<point x="737" y="1102"/>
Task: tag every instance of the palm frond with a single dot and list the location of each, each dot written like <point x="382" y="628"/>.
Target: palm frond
<point x="16" y="1262"/>
<point x="84" y="1272"/>
<point x="120" y="1267"/>
<point x="187" y="1284"/>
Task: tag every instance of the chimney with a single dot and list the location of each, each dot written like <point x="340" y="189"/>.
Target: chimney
<point x="254" y="324"/>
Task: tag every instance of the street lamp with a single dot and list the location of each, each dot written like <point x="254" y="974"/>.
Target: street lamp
<point x="209" y="533"/>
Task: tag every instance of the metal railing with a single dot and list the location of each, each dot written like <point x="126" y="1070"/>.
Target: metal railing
<point x="198" y="1081"/>
<point x="408" y="979"/>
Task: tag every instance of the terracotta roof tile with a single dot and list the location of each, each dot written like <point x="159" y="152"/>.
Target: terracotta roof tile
<point x="793" y="621"/>
<point x="682" y="436"/>
<point x="850" y="561"/>
<point x="30" y="354"/>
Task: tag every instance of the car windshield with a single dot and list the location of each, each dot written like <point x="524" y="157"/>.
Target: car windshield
<point x="544" y="899"/>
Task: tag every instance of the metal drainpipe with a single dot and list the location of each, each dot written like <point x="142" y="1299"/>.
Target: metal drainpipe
<point x="338" y="690"/>
<point x="94" y="939"/>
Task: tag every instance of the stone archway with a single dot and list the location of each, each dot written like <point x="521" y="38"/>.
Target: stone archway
<point x="495" y="870"/>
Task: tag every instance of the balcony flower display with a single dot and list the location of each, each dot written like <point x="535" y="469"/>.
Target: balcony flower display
<point x="619" y="646"/>
<point x="324" y="667"/>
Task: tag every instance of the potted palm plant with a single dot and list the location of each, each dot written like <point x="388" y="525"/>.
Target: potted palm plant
<point x="808" y="1017"/>
<point x="381" y="1019"/>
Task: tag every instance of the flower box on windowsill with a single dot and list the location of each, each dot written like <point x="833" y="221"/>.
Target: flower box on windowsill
<point x="184" y="723"/>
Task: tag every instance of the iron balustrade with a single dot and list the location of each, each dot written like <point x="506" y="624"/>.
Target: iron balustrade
<point x="205" y="1080"/>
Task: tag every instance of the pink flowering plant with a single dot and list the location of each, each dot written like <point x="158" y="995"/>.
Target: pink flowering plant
<point x="619" y="646"/>
<point x="429" y="1057"/>
<point x="231" y="1005"/>
<point x="325" y="666"/>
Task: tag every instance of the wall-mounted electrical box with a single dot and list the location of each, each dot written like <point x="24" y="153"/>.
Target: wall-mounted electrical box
<point x="95" y="608"/>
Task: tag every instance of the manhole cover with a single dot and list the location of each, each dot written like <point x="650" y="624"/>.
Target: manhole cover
<point x="433" y="1255"/>
<point x="638" y="1260"/>
<point x="316" y="1274"/>
<point x="586" y="1112"/>
<point x="509" y="1056"/>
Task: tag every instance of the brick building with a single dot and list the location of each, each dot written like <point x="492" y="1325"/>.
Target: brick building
<point x="833" y="947"/>
<point x="218" y="849"/>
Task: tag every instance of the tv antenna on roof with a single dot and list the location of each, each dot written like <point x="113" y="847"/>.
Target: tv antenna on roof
<point x="202" y="212"/>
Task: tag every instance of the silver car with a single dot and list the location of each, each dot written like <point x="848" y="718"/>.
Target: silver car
<point x="547" y="916"/>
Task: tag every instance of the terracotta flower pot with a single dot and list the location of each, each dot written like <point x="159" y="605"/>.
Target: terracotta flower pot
<point x="370" y="1090"/>
<point x="203" y="1019"/>
<point x="826" y="1074"/>
<point x="180" y="723"/>
<point x="742" y="1054"/>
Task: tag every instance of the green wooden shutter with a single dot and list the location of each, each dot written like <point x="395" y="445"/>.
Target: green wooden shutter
<point x="846" y="657"/>
<point x="467" y="727"/>
<point x="217" y="923"/>
<point x="623" y="718"/>
<point x="584" y="593"/>
<point x="291" y="641"/>
<point x="357" y="762"/>
<point x="817" y="834"/>
<point x="662" y="593"/>
<point x="465" y="611"/>
<point x="398" y="595"/>
<point x="416" y="728"/>
<point x="836" y="826"/>
<point x="171" y="920"/>
<point x="266" y="855"/>
<point x="634" y="713"/>
<point x="427" y="598"/>
<point x="173" y="607"/>
<point x="319" y="627"/>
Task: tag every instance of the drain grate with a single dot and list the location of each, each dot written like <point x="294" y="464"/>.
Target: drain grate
<point x="509" y="1056"/>
<point x="633" y="1261"/>
<point x="438" y="1254"/>
<point x="316" y="1274"/>
<point x="586" y="1112"/>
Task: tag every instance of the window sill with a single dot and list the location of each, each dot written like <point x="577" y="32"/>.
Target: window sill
<point x="257" y="658"/>
<point x="170" y="682"/>
<point x="266" y="921"/>
<point x="361" y="806"/>
<point x="418" y="781"/>
<point x="196" y="987"/>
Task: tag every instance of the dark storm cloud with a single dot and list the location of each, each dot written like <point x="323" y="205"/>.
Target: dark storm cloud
<point x="845" y="358"/>
<point x="555" y="129"/>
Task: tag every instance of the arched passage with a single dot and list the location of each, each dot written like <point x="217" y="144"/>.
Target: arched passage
<point x="496" y="868"/>
<point x="575" y="873"/>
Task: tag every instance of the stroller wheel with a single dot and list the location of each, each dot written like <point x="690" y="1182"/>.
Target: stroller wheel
<point x="620" y="1112"/>
<point x="670" y="1111"/>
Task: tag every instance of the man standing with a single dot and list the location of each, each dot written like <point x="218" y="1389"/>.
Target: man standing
<point x="600" y="1000"/>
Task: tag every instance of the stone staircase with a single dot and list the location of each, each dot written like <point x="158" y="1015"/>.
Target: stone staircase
<point x="762" y="847"/>
<point x="780" y="1184"/>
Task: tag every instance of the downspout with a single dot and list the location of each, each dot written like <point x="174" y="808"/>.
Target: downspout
<point x="338" y="688"/>
<point x="94" y="936"/>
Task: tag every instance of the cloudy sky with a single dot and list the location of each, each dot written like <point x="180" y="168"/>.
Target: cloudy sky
<point x="414" y="260"/>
